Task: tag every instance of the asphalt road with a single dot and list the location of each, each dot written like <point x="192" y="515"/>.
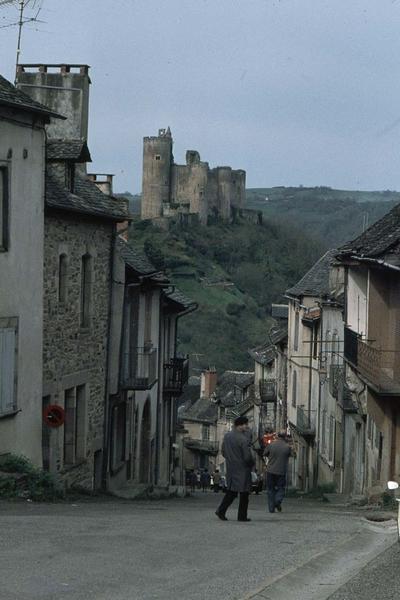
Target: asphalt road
<point x="177" y="549"/>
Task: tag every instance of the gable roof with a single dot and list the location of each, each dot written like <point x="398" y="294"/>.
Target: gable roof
<point x="68" y="149"/>
<point x="138" y="261"/>
<point x="175" y="295"/>
<point x="228" y="384"/>
<point x="202" y="410"/>
<point x="316" y="281"/>
<point x="377" y="240"/>
<point x="15" y="98"/>
<point x="87" y="199"/>
<point x="263" y="354"/>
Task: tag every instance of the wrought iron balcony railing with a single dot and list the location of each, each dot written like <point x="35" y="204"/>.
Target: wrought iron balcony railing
<point x="268" y="391"/>
<point x="204" y="446"/>
<point x="139" y="369"/>
<point x="380" y="368"/>
<point x="176" y="375"/>
<point x="306" y="420"/>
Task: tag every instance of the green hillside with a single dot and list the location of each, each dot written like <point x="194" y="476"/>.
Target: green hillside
<point x="334" y="216"/>
<point x="234" y="272"/>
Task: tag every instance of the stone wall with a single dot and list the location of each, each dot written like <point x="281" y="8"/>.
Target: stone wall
<point x="76" y="356"/>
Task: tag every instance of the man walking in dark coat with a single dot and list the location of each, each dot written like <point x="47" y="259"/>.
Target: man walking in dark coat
<point x="239" y="462"/>
<point x="278" y="453"/>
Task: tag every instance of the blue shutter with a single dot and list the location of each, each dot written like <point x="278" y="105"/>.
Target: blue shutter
<point x="7" y="370"/>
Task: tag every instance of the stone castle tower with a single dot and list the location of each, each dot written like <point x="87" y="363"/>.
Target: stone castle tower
<point x="170" y="189"/>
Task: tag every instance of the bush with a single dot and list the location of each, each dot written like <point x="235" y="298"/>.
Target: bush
<point x="234" y="309"/>
<point x="19" y="478"/>
<point x="13" y="463"/>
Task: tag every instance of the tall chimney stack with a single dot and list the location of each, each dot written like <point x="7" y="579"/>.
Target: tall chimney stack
<point x="64" y="88"/>
<point x="208" y="382"/>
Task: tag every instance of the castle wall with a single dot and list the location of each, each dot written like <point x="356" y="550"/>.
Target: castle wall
<point x="224" y="177"/>
<point x="238" y="193"/>
<point x="169" y="189"/>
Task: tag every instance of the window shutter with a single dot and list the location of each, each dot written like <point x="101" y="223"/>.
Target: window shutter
<point x="7" y="370"/>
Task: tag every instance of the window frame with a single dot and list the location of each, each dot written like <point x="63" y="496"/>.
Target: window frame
<point x="4" y="206"/>
<point x="12" y="323"/>
<point x="62" y="278"/>
<point x="86" y="294"/>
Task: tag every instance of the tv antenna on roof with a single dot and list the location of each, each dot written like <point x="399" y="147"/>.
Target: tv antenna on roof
<point x="21" y="6"/>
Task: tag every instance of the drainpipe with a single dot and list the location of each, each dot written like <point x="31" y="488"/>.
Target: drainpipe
<point x="107" y="407"/>
<point x="309" y="408"/>
<point x="174" y="412"/>
<point x="159" y="390"/>
<point x="318" y="420"/>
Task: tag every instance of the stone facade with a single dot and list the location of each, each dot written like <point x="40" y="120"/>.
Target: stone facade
<point x="75" y="355"/>
<point x="170" y="189"/>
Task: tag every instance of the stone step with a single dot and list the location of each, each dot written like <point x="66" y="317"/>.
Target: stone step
<point x="145" y="491"/>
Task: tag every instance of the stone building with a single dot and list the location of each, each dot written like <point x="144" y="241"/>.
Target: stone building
<point x="372" y="356"/>
<point x="22" y="161"/>
<point x="145" y="374"/>
<point x="170" y="189"/>
<point x="270" y="385"/>
<point x="80" y="230"/>
<point x="209" y="413"/>
<point x="309" y="343"/>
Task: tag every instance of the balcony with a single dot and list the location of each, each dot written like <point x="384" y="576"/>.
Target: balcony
<point x="139" y="369"/>
<point x="380" y="368"/>
<point x="306" y="420"/>
<point x="204" y="446"/>
<point x="176" y="375"/>
<point x="268" y="391"/>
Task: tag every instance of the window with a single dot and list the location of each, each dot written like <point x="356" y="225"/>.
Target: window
<point x="205" y="433"/>
<point x="331" y="448"/>
<point x="75" y="403"/>
<point x="86" y="290"/>
<point x="147" y="320"/>
<point x="70" y="177"/>
<point x="296" y="330"/>
<point x="157" y="157"/>
<point x="294" y="389"/>
<point x="62" y="278"/>
<point x="8" y="366"/>
<point x="119" y="425"/>
<point x="315" y="342"/>
<point x="3" y="208"/>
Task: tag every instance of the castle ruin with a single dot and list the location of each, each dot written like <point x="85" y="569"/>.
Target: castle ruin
<point x="170" y="189"/>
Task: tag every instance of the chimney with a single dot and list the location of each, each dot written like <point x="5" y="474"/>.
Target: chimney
<point x="64" y="88"/>
<point x="208" y="382"/>
<point x="104" y="182"/>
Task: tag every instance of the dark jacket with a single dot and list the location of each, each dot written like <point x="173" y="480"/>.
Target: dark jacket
<point x="239" y="461"/>
<point x="278" y="453"/>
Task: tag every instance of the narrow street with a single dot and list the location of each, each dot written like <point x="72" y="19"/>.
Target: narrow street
<point x="107" y="549"/>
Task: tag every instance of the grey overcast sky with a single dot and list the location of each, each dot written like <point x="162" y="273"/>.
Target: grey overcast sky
<point x="294" y="91"/>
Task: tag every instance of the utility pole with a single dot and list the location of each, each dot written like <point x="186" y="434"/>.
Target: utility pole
<point x="21" y="5"/>
<point x="20" y="24"/>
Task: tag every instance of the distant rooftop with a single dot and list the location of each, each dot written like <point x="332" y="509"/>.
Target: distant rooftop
<point x="13" y="97"/>
<point x="316" y="281"/>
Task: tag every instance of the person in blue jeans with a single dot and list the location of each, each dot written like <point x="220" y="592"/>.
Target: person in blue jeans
<point x="277" y="453"/>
